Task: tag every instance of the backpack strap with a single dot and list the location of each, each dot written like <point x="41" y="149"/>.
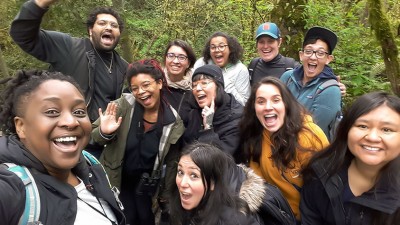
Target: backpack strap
<point x="252" y="66"/>
<point x="90" y="158"/>
<point x="32" y="201"/>
<point x="289" y="63"/>
<point x="325" y="85"/>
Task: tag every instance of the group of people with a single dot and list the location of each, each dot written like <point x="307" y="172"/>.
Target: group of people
<point x="171" y="141"/>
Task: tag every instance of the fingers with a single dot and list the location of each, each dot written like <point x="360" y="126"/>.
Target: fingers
<point x="212" y="104"/>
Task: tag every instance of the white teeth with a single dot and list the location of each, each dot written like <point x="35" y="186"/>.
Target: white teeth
<point x="144" y="98"/>
<point x="65" y="139"/>
<point x="269" y="115"/>
<point x="371" y="148"/>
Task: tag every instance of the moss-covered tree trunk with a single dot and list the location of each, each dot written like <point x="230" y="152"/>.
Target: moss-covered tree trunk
<point x="381" y="26"/>
<point x="3" y="66"/>
<point x="125" y="41"/>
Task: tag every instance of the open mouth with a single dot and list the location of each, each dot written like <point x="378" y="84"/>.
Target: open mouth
<point x="270" y="119"/>
<point x="371" y="149"/>
<point x="201" y="97"/>
<point x="66" y="142"/>
<point x="312" y="67"/>
<point x="107" y="38"/>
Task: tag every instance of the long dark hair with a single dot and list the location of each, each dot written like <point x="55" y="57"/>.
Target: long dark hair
<point x="235" y="49"/>
<point x="214" y="166"/>
<point x="285" y="141"/>
<point x="338" y="155"/>
<point x="16" y="94"/>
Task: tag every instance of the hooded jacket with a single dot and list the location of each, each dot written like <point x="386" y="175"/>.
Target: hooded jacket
<point x="317" y="207"/>
<point x="70" y="55"/>
<point x="58" y="200"/>
<point x="324" y="106"/>
<point x="225" y="127"/>
<point x="263" y="199"/>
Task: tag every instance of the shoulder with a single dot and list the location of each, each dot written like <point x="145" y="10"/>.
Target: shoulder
<point x="313" y="136"/>
<point x="231" y="216"/>
<point x="286" y="76"/>
<point x="198" y="63"/>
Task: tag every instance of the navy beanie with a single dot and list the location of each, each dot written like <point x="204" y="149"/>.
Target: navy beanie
<point x="210" y="70"/>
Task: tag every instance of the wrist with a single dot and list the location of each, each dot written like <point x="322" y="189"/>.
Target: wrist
<point x="42" y="4"/>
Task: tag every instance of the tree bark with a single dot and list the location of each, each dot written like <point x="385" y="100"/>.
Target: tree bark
<point x="3" y="66"/>
<point x="381" y="26"/>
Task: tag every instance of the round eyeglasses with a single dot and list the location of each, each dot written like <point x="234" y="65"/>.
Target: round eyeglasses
<point x="144" y="86"/>
<point x="318" y="53"/>
<point x="181" y="58"/>
<point x="203" y="84"/>
<point x="220" y="48"/>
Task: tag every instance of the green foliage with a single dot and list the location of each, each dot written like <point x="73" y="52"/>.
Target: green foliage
<point x="151" y="24"/>
<point x="357" y="50"/>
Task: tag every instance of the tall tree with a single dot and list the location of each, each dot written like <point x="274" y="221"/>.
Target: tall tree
<point x="381" y="26"/>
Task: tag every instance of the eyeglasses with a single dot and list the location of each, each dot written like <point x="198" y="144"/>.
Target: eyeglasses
<point x="203" y="84"/>
<point x="180" y="57"/>
<point x="220" y="48"/>
<point x="318" y="53"/>
<point x="144" y="86"/>
<point x="104" y="23"/>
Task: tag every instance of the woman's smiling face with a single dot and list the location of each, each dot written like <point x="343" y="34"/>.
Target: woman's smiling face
<point x="270" y="108"/>
<point x="54" y="125"/>
<point x="219" y="51"/>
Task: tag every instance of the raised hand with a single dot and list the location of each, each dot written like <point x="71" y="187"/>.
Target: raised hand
<point x="208" y="115"/>
<point x="45" y="3"/>
<point x="108" y="121"/>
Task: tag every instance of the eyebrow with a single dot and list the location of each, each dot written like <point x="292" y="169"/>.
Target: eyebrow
<point x="57" y="99"/>
<point x="192" y="167"/>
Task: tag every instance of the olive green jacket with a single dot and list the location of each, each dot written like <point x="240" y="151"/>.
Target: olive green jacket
<point x="112" y="157"/>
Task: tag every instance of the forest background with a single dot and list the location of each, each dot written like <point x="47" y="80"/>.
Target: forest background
<point x="366" y="57"/>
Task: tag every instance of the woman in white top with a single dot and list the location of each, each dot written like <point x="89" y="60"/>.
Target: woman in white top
<point x="225" y="51"/>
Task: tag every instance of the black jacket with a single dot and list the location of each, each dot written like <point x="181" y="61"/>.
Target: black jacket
<point x="276" y="67"/>
<point x="225" y="130"/>
<point x="58" y="200"/>
<point x="70" y="55"/>
<point x="317" y="207"/>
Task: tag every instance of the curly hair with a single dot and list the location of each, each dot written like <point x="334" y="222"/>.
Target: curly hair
<point x="92" y="17"/>
<point x="284" y="141"/>
<point x="235" y="49"/>
<point x="18" y="91"/>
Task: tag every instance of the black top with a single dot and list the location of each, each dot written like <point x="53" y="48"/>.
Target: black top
<point x="275" y="67"/>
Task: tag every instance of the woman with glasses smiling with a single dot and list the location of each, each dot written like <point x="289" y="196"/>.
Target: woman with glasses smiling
<point x="306" y="82"/>
<point x="225" y="51"/>
<point x="140" y="132"/>
<point x="179" y="59"/>
<point x="214" y="114"/>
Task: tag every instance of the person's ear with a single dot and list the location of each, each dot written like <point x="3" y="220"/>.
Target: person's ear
<point x="212" y="186"/>
<point x="330" y="58"/>
<point x="19" y="127"/>
<point x="279" y="42"/>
